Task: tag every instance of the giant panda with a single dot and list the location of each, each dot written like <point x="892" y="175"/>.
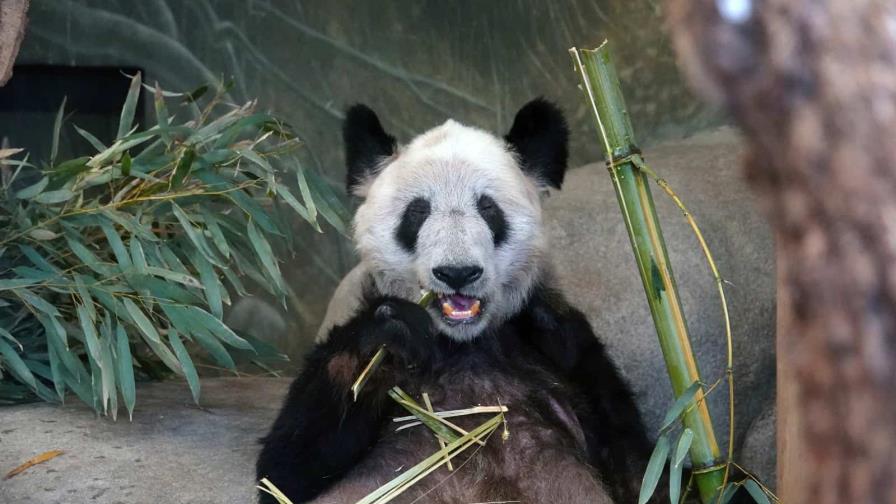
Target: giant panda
<point x="457" y="211"/>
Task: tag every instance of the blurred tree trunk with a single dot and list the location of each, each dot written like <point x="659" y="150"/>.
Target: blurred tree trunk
<point x="12" y="29"/>
<point x="812" y="83"/>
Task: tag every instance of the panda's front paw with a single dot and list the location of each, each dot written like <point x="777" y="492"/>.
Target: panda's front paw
<point x="405" y="328"/>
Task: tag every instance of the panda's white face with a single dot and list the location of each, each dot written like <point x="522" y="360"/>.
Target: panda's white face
<point x="455" y="212"/>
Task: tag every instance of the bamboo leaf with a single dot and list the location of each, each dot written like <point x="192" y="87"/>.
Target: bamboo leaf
<point x="186" y="363"/>
<point x="43" y="235"/>
<point x="291" y="200"/>
<point x="126" y="162"/>
<point x="200" y="334"/>
<point x="654" y="468"/>
<point x="114" y="240"/>
<point x="138" y="257"/>
<point x="5" y="153"/>
<point x="216" y="327"/>
<point x="676" y="465"/>
<point x="54" y="197"/>
<point x="56" y="370"/>
<point x="66" y="170"/>
<point x="37" y="259"/>
<point x="182" y="169"/>
<point x="211" y="284"/>
<point x="125" y="369"/>
<point x="174" y="276"/>
<point x="57" y="128"/>
<point x="307" y="198"/>
<point x="94" y="141"/>
<point x="86" y="256"/>
<point x="194" y="236"/>
<point x="211" y="223"/>
<point x="728" y="494"/>
<point x="682" y="446"/>
<point x="13" y="363"/>
<point x="680" y="405"/>
<point x="130" y="107"/>
<point x="141" y="321"/>
<point x="15" y="283"/>
<point x="107" y="371"/>
<point x="161" y="114"/>
<point x="37" y="302"/>
<point x="33" y="190"/>
<point x="265" y="254"/>
<point x="756" y="492"/>
<point x="129" y="223"/>
<point x="90" y="337"/>
<point x="6" y="334"/>
<point x="197" y="93"/>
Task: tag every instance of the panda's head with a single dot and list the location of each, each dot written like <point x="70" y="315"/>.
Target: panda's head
<point x="456" y="211"/>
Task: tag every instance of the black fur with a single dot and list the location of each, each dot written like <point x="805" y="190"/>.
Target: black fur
<point x="539" y="136"/>
<point x="618" y="445"/>
<point x="493" y="216"/>
<point x="415" y="214"/>
<point x="366" y="144"/>
<point x="320" y="433"/>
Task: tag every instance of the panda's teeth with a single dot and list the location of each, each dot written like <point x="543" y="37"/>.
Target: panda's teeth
<point x="455" y="314"/>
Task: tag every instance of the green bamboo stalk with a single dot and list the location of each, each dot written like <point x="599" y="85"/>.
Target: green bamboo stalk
<point x="636" y="202"/>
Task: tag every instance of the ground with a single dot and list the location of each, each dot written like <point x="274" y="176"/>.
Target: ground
<point x="172" y="452"/>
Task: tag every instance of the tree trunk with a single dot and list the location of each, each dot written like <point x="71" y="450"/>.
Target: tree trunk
<point x="12" y="29"/>
<point x="812" y="83"/>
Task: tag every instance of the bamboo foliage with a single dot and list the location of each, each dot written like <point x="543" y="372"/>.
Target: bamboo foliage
<point x="118" y="265"/>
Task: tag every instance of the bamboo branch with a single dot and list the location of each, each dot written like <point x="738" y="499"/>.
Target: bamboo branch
<point x="636" y="202"/>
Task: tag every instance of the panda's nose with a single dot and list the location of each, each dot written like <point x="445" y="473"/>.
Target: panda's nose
<point x="457" y="276"/>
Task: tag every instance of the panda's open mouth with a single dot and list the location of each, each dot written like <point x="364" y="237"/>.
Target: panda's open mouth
<point x="458" y="308"/>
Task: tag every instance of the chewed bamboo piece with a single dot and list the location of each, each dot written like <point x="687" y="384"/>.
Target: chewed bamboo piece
<point x="442" y="443"/>
<point x="408" y="478"/>
<point x="377" y="358"/>
<point x="477" y="410"/>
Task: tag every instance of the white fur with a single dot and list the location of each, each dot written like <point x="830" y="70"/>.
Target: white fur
<point x="451" y="166"/>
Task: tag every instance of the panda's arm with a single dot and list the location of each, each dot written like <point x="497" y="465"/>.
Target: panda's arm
<point x="321" y="432"/>
<point x="618" y="445"/>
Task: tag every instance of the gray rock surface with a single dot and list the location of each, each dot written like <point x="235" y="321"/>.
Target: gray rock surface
<point x="597" y="271"/>
<point x="173" y="452"/>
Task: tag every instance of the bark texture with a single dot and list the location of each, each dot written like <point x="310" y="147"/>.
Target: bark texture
<point x="812" y="83"/>
<point x="12" y="28"/>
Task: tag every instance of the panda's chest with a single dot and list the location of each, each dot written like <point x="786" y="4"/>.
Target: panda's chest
<point x="538" y="455"/>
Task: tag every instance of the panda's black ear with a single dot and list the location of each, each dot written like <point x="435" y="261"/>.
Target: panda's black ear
<point x="540" y="137"/>
<point x="366" y="145"/>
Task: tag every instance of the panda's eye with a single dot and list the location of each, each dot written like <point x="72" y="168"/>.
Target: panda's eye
<point x="492" y="214"/>
<point x="415" y="214"/>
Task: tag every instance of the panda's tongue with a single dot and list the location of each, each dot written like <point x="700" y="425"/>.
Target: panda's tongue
<point x="460" y="307"/>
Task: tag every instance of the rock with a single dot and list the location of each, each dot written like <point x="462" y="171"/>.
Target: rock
<point x="172" y="451"/>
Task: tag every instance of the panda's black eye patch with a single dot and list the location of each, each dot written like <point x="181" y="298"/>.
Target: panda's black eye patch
<point x="415" y="214"/>
<point x="493" y="216"/>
